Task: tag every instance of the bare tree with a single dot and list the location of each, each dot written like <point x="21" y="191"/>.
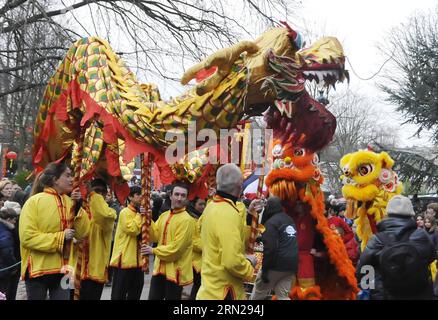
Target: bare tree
<point x="153" y="36"/>
<point x="28" y="57"/>
<point x="357" y="127"/>
<point x="156" y="38"/>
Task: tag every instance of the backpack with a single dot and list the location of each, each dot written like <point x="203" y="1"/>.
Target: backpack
<point x="403" y="270"/>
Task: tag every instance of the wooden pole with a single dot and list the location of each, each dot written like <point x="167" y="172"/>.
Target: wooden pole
<point x="77" y="162"/>
<point x="255" y="215"/>
<point x="146" y="183"/>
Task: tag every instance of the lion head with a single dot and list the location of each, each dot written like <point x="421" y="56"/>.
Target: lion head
<point x="368" y="175"/>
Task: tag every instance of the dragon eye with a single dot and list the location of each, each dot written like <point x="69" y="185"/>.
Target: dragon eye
<point x="365" y="169"/>
<point x="299" y="152"/>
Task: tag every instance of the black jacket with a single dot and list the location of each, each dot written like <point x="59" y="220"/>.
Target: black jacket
<point x="7" y="257"/>
<point x="396" y="225"/>
<point x="193" y="212"/>
<point x="280" y="248"/>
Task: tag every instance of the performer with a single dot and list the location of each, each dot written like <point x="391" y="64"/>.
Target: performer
<point x="96" y="248"/>
<point x="173" y="233"/>
<point x="44" y="232"/>
<point x="126" y="259"/>
<point x="224" y="265"/>
<point x="195" y="209"/>
<point x="369" y="183"/>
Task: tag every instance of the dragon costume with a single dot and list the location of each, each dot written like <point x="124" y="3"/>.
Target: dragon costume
<point x="95" y="113"/>
<point x="369" y="183"/>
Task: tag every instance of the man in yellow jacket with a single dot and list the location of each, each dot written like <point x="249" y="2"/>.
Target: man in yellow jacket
<point x="224" y="264"/>
<point x="126" y="259"/>
<point x="173" y="233"/>
<point x="96" y="247"/>
<point x="46" y="229"/>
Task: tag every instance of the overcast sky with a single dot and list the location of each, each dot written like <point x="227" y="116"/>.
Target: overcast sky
<point x="360" y="26"/>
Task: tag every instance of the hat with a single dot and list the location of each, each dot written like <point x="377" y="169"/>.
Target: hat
<point x="400" y="205"/>
<point x="273" y="206"/>
<point x="13" y="205"/>
<point x="3" y="183"/>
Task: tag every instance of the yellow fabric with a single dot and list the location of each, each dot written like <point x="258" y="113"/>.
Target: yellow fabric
<point x="126" y="253"/>
<point x="42" y="236"/>
<point x="197" y="247"/>
<point x="433" y="270"/>
<point x="224" y="266"/>
<point x="173" y="233"/>
<point x="247" y="229"/>
<point x="99" y="239"/>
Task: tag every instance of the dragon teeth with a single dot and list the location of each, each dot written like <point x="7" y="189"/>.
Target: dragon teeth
<point x="321" y="74"/>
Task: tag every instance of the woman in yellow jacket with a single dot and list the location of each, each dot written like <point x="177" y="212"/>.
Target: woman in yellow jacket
<point x="46" y="228"/>
<point x="96" y="247"/>
<point x="173" y="255"/>
<point x="126" y="259"/>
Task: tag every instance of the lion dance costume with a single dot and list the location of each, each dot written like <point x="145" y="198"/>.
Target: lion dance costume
<point x="369" y="183"/>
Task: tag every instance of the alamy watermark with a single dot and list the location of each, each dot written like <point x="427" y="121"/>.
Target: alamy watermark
<point x="229" y="140"/>
<point x="68" y="280"/>
<point x="367" y="282"/>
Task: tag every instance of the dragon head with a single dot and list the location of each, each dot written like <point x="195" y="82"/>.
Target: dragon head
<point x="366" y="175"/>
<point x="282" y="66"/>
<point x="278" y="68"/>
<point x="294" y="116"/>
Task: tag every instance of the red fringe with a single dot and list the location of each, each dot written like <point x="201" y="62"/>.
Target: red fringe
<point x="111" y="129"/>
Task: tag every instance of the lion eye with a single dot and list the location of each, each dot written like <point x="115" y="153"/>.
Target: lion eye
<point x="365" y="169"/>
<point x="298" y="152"/>
<point x="315" y="160"/>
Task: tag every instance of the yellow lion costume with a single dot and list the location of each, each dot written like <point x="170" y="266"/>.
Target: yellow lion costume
<point x="369" y="183"/>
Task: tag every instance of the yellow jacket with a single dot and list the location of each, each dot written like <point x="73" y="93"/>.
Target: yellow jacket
<point x="247" y="229"/>
<point x="173" y="233"/>
<point x="41" y="229"/>
<point x="224" y="266"/>
<point x="126" y="250"/>
<point x="96" y="248"/>
<point x="197" y="248"/>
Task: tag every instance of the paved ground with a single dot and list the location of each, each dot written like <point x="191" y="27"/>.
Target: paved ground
<point x="106" y="294"/>
<point x="21" y="291"/>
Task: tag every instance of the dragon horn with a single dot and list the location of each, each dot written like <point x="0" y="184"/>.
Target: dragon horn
<point x="292" y="33"/>
<point x="223" y="60"/>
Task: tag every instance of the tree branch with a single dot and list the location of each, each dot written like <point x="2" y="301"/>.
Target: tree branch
<point x="53" y="13"/>
<point x="30" y="63"/>
<point x="11" y="5"/>
<point x="22" y="87"/>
